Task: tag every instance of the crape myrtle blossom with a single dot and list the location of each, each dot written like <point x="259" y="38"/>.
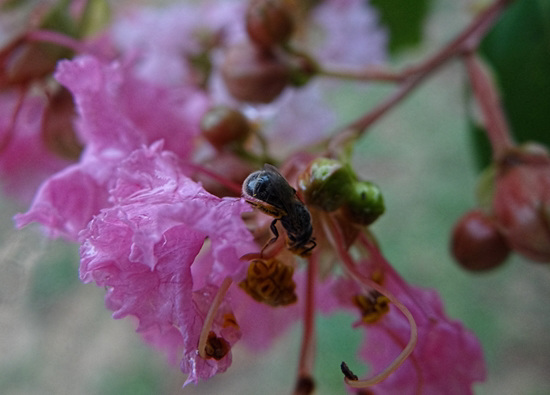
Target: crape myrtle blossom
<point x="447" y="358"/>
<point x="25" y="161"/>
<point x="115" y="118"/>
<point x="144" y="248"/>
<point x="189" y="265"/>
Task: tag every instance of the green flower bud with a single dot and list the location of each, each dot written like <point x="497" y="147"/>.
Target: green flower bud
<point x="326" y="184"/>
<point x="364" y="204"/>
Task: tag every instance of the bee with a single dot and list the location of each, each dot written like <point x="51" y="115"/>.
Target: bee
<point x="269" y="191"/>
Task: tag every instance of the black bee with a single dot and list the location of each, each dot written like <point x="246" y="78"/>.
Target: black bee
<point x="269" y="191"/>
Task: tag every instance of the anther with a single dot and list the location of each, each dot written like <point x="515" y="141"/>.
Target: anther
<point x="270" y="281"/>
<point x="347" y="372"/>
<point x="216" y="347"/>
<point x="372" y="306"/>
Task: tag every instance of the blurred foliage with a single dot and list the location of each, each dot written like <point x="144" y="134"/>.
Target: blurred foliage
<point x="404" y="20"/>
<point x="53" y="278"/>
<point x="518" y="49"/>
<point x="137" y="378"/>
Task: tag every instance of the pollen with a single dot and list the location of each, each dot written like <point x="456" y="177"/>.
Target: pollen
<point x="270" y="281"/>
<point x="229" y="320"/>
<point x="216" y="347"/>
<point x="372" y="306"/>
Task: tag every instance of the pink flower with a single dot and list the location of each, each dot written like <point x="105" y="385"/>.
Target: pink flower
<point x="145" y="247"/>
<point x="447" y="358"/>
<point x="117" y="114"/>
<point x="25" y="160"/>
<point x="351" y="33"/>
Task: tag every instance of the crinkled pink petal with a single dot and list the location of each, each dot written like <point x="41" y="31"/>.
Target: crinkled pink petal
<point x="448" y="358"/>
<point x="143" y="249"/>
<point x="197" y="367"/>
<point x="65" y="203"/>
<point x="121" y="112"/>
<point x="163" y="38"/>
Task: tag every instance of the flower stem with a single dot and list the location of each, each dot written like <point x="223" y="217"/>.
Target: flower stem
<point x="336" y="238"/>
<point x="307" y="349"/>
<point x="372" y="73"/>
<point x="5" y="140"/>
<point x="63" y="40"/>
<point x="222" y="291"/>
<point x="466" y="41"/>
<point x="487" y="97"/>
<point x="236" y="188"/>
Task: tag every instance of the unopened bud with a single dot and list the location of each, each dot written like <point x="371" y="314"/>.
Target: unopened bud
<point x="476" y="242"/>
<point x="521" y="201"/>
<point x="58" y="130"/>
<point x="326" y="183"/>
<point x="269" y="23"/>
<point x="364" y="204"/>
<point x="253" y="75"/>
<point x="223" y="125"/>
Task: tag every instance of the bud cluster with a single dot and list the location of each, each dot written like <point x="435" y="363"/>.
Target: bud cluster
<point x="258" y="70"/>
<point x="329" y="185"/>
<point x="518" y="213"/>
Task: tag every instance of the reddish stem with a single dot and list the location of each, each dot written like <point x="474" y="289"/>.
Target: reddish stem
<point x="307" y="350"/>
<point x="63" y="40"/>
<point x="487" y="97"/>
<point x="236" y="188"/>
<point x="6" y="139"/>
<point x="467" y="40"/>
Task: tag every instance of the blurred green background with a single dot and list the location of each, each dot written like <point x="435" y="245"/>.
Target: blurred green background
<point x="56" y="337"/>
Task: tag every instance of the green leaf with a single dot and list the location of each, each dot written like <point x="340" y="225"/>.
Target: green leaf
<point x="518" y="50"/>
<point x="96" y="16"/>
<point x="404" y="19"/>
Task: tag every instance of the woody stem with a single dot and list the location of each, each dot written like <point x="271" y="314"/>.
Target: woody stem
<point x="467" y="40"/>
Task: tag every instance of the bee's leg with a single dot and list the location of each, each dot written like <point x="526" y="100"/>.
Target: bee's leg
<point x="273" y="228"/>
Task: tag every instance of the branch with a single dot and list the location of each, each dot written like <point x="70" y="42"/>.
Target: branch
<point x="408" y="79"/>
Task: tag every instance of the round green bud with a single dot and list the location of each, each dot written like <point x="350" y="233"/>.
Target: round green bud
<point x="364" y="204"/>
<point x="326" y="183"/>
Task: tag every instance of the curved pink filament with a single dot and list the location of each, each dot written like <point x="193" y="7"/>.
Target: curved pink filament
<point x="211" y="314"/>
<point x="336" y="238"/>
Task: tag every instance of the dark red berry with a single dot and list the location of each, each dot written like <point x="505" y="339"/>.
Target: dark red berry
<point x="476" y="242"/>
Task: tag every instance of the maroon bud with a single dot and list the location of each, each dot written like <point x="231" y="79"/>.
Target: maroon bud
<point x="269" y="23"/>
<point x="253" y="75"/>
<point x="58" y="130"/>
<point x="24" y="62"/>
<point x="521" y="201"/>
<point x="223" y="125"/>
<point x="477" y="243"/>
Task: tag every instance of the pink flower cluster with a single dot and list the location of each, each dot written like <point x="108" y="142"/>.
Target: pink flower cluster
<point x="165" y="249"/>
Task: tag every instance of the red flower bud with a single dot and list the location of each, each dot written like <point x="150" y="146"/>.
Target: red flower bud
<point x="24" y="62"/>
<point x="476" y="242"/>
<point x="268" y="23"/>
<point x="521" y="201"/>
<point x="58" y="130"/>
<point x="223" y="125"/>
<point x="253" y="75"/>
